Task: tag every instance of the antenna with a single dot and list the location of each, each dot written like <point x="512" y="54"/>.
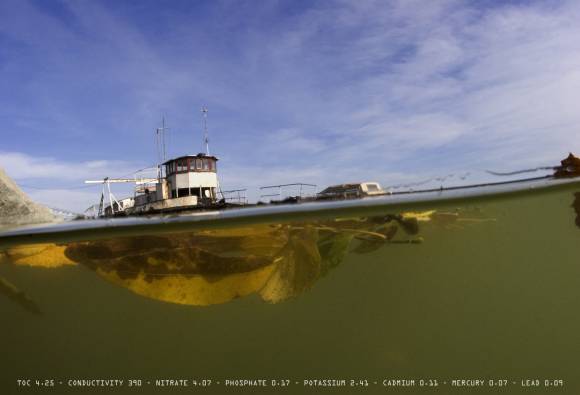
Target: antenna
<point x="205" y="137"/>
<point x="160" y="134"/>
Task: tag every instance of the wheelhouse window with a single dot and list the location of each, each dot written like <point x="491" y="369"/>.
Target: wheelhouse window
<point x="170" y="168"/>
<point x="182" y="165"/>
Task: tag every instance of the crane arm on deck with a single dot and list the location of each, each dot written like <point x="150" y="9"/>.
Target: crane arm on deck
<point x="120" y="180"/>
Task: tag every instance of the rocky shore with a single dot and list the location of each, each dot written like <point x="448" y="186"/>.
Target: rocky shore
<point x="16" y="208"/>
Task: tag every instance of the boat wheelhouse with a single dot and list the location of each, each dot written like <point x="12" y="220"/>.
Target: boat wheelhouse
<point x="186" y="182"/>
<point x="191" y="176"/>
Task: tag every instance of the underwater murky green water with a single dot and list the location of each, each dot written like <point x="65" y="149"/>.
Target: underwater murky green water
<point x="480" y="290"/>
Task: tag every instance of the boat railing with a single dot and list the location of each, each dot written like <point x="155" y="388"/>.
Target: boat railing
<point x="237" y="196"/>
<point x="283" y="191"/>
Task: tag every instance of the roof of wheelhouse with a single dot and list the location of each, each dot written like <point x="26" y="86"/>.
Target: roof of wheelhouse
<point x="200" y="155"/>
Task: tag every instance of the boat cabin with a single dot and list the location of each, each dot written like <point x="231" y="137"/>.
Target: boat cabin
<point x="191" y="175"/>
<point x="186" y="181"/>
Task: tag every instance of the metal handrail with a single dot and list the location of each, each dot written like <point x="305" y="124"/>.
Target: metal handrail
<point x="241" y="198"/>
<point x="288" y="185"/>
<point x="280" y="186"/>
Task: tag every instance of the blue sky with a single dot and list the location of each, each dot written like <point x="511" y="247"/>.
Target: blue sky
<point x="320" y="92"/>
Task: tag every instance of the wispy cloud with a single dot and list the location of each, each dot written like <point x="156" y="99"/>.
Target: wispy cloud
<point x="21" y="166"/>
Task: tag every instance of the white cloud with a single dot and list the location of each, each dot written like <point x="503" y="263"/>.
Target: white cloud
<point x="21" y="166"/>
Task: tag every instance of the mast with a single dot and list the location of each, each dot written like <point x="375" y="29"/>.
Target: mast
<point x="160" y="133"/>
<point x="163" y="128"/>
<point x="160" y="140"/>
<point x="205" y="135"/>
